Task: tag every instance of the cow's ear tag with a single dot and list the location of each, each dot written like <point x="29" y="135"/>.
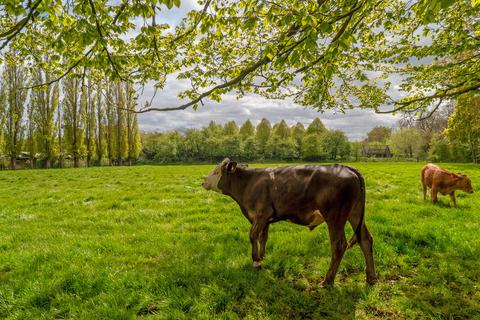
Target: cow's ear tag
<point x="231" y="166"/>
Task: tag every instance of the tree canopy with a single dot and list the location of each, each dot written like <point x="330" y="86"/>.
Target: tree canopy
<point x="323" y="53"/>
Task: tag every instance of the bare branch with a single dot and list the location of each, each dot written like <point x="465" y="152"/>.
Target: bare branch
<point x="431" y="112"/>
<point x="444" y="94"/>
<point x="230" y="83"/>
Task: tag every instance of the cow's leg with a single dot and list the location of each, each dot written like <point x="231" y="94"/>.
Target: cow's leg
<point x="338" y="244"/>
<point x="255" y="231"/>
<point x="452" y="196"/>
<point x="434" y="194"/>
<point x="424" y="185"/>
<point x="263" y="241"/>
<point x="366" y="243"/>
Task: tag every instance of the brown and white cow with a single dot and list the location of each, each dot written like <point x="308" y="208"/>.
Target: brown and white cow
<point x="443" y="181"/>
<point x="307" y="195"/>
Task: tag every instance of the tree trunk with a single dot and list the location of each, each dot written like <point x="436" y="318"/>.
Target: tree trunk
<point x="13" y="163"/>
<point x="76" y="161"/>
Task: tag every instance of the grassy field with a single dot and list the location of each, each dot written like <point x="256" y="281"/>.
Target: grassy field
<point x="149" y="242"/>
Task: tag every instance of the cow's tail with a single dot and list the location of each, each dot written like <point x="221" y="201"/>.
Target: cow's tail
<point x="357" y="236"/>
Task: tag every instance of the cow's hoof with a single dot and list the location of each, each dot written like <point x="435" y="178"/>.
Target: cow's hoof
<point x="326" y="284"/>
<point x="257" y="266"/>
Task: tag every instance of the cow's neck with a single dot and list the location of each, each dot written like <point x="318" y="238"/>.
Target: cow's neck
<point x="236" y="183"/>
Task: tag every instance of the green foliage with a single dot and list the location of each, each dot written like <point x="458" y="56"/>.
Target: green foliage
<point x="214" y="143"/>
<point x="464" y="124"/>
<point x="316" y="127"/>
<point x="281" y="130"/>
<point x="148" y="241"/>
<point x="74" y="118"/>
<point x="14" y="100"/>
<point x="230" y="128"/>
<point x="439" y="149"/>
<point x="44" y="104"/>
<point x="263" y="131"/>
<point x="336" y="145"/>
<point x="312" y="149"/>
<point x="406" y="142"/>
<point x="323" y="54"/>
<point x="214" y="130"/>
<point x="379" y="134"/>
<point x="247" y="130"/>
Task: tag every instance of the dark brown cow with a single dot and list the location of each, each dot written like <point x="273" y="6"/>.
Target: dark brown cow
<point x="307" y="195"/>
<point x="440" y="180"/>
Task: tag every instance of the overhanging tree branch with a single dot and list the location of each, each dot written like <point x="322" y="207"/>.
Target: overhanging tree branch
<point x="263" y="61"/>
<point x="103" y="41"/>
<point x="444" y="94"/>
<point x="230" y="83"/>
<point x="196" y="23"/>
<point x="12" y="32"/>
<point x="63" y="75"/>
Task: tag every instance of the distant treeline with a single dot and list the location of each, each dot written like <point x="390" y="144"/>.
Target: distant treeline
<point x="450" y="134"/>
<point x="78" y="121"/>
<point x="279" y="142"/>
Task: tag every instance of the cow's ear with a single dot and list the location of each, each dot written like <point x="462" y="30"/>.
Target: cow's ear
<point x="231" y="166"/>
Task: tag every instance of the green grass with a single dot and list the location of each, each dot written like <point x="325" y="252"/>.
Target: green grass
<point x="149" y="242"/>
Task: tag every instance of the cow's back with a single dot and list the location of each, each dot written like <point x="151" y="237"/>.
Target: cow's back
<point x="312" y="187"/>
<point x="429" y="172"/>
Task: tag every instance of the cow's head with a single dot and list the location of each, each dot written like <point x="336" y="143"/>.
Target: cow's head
<point x="463" y="182"/>
<point x="225" y="167"/>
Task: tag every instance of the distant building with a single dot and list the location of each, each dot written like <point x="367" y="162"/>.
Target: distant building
<point x="376" y="151"/>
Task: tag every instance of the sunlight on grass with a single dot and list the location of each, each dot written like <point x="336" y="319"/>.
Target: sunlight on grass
<point x="148" y="241"/>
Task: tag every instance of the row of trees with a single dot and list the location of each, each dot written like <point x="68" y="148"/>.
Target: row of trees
<point x="263" y="142"/>
<point x="77" y="119"/>
<point x="452" y="133"/>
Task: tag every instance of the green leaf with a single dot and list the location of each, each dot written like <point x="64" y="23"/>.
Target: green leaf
<point x="325" y="27"/>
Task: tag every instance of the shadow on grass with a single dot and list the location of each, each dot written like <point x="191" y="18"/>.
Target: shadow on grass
<point x="218" y="291"/>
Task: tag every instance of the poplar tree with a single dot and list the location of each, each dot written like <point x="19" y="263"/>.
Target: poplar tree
<point x="298" y="131"/>
<point x="101" y="123"/>
<point x="121" y="146"/>
<point x="282" y="130"/>
<point x="73" y="118"/>
<point x="2" y="116"/>
<point x="247" y="130"/>
<point x="316" y="127"/>
<point x="14" y="78"/>
<point x="262" y="135"/>
<point x="90" y="124"/>
<point x="45" y="102"/>
<point x="133" y="134"/>
<point x="110" y="128"/>
<point x="230" y="128"/>
<point x="30" y="131"/>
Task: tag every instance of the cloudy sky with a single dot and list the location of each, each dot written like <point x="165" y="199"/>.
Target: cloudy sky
<point x="355" y="123"/>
